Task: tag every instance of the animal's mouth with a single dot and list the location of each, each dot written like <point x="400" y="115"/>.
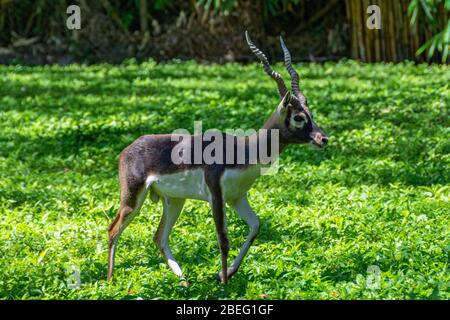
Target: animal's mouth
<point x="318" y="139"/>
<point x="319" y="145"/>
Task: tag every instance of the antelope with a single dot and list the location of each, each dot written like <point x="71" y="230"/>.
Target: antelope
<point x="146" y="167"/>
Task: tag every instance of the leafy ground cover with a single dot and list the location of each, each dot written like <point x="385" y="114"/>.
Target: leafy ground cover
<point x="366" y="218"/>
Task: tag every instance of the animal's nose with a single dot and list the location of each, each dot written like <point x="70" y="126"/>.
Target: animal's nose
<point x="320" y="139"/>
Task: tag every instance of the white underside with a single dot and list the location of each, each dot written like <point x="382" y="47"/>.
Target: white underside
<point x="192" y="185"/>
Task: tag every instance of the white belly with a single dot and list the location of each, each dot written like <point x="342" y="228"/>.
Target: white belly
<point x="192" y="185"/>
<point x="187" y="184"/>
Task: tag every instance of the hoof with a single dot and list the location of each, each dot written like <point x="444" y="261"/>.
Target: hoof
<point x="184" y="283"/>
<point x="219" y="278"/>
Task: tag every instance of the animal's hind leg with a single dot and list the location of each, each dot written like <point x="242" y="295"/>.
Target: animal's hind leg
<point x="130" y="205"/>
<point x="171" y="212"/>
<point x="244" y="210"/>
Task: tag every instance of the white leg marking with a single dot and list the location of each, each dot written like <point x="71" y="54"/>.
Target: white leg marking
<point x="171" y="212"/>
<point x="113" y="252"/>
<point x="244" y="210"/>
<point x="175" y="267"/>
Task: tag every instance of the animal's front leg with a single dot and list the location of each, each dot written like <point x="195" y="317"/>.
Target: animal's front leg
<point x="171" y="212"/>
<point x="218" y="211"/>
<point x="244" y="210"/>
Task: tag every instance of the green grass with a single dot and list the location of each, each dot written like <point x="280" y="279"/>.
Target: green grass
<point x="377" y="196"/>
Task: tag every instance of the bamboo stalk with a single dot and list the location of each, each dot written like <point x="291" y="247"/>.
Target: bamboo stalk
<point x="387" y="39"/>
<point x="416" y="37"/>
<point x="352" y="23"/>
<point x="383" y="33"/>
<point x="410" y="31"/>
<point x="405" y="42"/>
<point x="391" y="56"/>
<point x="355" y="30"/>
<point x="359" y="25"/>
<point x="397" y="29"/>
<point x="392" y="32"/>
<point x="366" y="31"/>
<point x="377" y="35"/>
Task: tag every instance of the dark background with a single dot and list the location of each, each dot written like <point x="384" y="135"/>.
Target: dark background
<point x="34" y="31"/>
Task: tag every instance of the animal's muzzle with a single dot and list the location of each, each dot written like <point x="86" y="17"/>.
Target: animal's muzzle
<point x="319" y="139"/>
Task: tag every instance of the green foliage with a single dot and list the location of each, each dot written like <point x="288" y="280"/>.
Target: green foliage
<point x="161" y="4"/>
<point x="429" y="9"/>
<point x="377" y="196"/>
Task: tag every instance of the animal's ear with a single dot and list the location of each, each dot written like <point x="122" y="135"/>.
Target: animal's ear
<point x="284" y="104"/>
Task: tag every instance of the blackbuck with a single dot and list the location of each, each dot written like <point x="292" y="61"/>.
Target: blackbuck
<point x="147" y="166"/>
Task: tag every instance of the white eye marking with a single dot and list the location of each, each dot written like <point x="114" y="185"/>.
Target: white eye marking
<point x="296" y="122"/>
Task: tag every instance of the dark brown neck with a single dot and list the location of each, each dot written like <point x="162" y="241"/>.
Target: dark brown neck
<point x="264" y="138"/>
<point x="273" y="123"/>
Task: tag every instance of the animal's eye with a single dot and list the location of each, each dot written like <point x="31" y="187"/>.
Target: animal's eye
<point x="298" y="118"/>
